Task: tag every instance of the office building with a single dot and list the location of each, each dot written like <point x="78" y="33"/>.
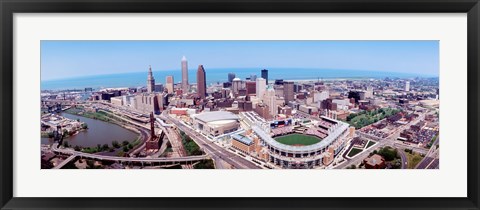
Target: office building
<point x="242" y="143"/>
<point x="265" y="75"/>
<point x="288" y="93"/>
<point x="261" y="87"/>
<point x="271" y="101"/>
<point x="185" y="85"/>
<point x="250" y="86"/>
<point x="159" y="88"/>
<point x="231" y="76"/>
<point x="201" y="83"/>
<point x="150" y="81"/>
<point x="237" y="84"/>
<point x="169" y="83"/>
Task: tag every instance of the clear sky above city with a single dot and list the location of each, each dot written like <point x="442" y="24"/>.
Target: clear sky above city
<point x="66" y="59"/>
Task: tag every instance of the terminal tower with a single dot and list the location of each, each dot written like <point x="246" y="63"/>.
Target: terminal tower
<point x="150" y="81"/>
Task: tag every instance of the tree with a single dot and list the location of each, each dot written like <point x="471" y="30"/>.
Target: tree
<point x="65" y="144"/>
<point x="115" y="144"/>
<point x="125" y="148"/>
<point x="387" y="153"/>
<point x="84" y="126"/>
<point x="65" y="132"/>
<point x="77" y="148"/>
<point x="91" y="163"/>
<point x="105" y="147"/>
<point x="124" y="143"/>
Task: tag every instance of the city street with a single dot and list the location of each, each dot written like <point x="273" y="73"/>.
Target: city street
<point x="217" y="153"/>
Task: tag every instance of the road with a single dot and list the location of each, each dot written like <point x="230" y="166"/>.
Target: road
<point x="430" y="157"/>
<point x="389" y="141"/>
<point x="218" y="154"/>
<point x="64" y="162"/>
<point x="403" y="158"/>
<point x="177" y="146"/>
<point x="144" y="135"/>
<point x="129" y="159"/>
<point x="360" y="157"/>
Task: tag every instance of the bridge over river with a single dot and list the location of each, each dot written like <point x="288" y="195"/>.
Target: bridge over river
<point x="165" y="160"/>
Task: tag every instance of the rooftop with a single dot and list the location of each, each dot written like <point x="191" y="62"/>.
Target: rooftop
<point x="245" y="140"/>
<point x="216" y="116"/>
<point x="374" y="160"/>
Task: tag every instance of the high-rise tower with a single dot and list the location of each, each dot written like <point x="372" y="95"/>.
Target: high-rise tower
<point x="261" y="87"/>
<point x="169" y="83"/>
<point x="201" y="83"/>
<point x="407" y="86"/>
<point x="150" y="81"/>
<point x="231" y="76"/>
<point x="184" y="75"/>
<point x="265" y="75"/>
<point x="288" y="94"/>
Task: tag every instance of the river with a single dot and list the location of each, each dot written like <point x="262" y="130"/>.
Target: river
<point x="98" y="132"/>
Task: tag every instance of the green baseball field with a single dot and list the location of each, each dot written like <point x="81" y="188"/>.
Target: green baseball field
<point x="298" y="139"/>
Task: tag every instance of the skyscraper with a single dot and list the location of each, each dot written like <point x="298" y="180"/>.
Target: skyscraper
<point x="265" y="75"/>
<point x="251" y="87"/>
<point x="201" y="82"/>
<point x="231" y="76"/>
<point x="260" y="87"/>
<point x="271" y="101"/>
<point x="288" y="91"/>
<point x="169" y="83"/>
<point x="407" y="86"/>
<point x="236" y="85"/>
<point x="184" y="75"/>
<point x="150" y="81"/>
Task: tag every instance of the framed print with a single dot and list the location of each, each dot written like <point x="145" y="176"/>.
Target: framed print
<point x="250" y="105"/>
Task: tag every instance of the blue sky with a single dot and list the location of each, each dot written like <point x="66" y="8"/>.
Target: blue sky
<point x="66" y="59"/>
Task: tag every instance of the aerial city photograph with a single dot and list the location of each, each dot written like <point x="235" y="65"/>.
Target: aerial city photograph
<point x="245" y="104"/>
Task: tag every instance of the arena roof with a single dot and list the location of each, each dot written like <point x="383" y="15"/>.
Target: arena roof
<point x="215" y="116"/>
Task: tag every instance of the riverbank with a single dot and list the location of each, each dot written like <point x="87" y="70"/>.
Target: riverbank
<point x="111" y="148"/>
<point x="70" y="127"/>
<point x="103" y="116"/>
<point x="99" y="133"/>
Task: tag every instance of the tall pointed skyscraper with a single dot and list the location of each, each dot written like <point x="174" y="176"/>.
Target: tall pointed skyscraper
<point x="184" y="75"/>
<point x="201" y="82"/>
<point x="150" y="81"/>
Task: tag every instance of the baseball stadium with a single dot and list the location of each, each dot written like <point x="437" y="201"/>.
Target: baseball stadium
<point x="300" y="146"/>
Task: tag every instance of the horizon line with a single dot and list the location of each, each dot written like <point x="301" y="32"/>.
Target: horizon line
<point x="268" y="68"/>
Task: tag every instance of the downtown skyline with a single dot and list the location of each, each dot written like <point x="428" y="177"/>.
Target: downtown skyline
<point x="260" y="118"/>
<point x="71" y="59"/>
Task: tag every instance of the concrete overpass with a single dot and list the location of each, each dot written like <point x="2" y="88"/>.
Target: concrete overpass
<point x="179" y="160"/>
<point x="64" y="162"/>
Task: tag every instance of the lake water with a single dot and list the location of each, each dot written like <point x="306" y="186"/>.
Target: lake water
<point x="98" y="132"/>
<point x="138" y="79"/>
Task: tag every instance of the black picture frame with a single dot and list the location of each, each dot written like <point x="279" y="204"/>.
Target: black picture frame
<point x="10" y="7"/>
